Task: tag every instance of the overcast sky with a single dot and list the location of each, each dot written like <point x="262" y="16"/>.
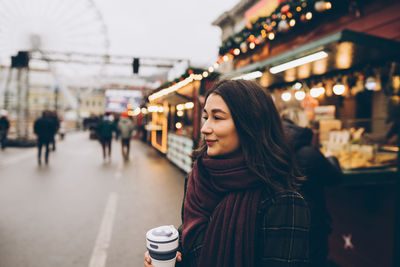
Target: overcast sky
<point x="165" y="28"/>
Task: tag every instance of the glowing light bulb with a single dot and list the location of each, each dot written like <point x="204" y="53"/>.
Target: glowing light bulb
<point x="300" y="95"/>
<point x="316" y="92"/>
<point x="338" y="89"/>
<point x="178" y="125"/>
<point x="271" y="36"/>
<point x="286" y="96"/>
<point x="189" y="105"/>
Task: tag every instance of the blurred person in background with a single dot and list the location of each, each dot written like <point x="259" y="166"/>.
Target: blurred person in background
<point x="117" y="132"/>
<point x="44" y="128"/>
<point x="125" y="128"/>
<point x="319" y="171"/>
<point x="105" y="129"/>
<point x="62" y="129"/>
<point x="56" y="126"/>
<point x="4" y="126"/>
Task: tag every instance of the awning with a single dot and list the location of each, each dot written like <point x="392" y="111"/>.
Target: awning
<point x="176" y="98"/>
<point x="344" y="50"/>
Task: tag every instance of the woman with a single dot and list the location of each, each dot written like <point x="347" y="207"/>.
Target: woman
<point x="240" y="206"/>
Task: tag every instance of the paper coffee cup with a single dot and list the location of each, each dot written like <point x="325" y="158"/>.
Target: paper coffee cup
<point x="162" y="243"/>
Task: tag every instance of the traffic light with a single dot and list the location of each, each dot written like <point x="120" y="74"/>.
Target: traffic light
<point x="21" y="60"/>
<point x="135" y="65"/>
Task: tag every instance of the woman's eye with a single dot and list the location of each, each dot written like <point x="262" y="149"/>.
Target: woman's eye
<point x="205" y="118"/>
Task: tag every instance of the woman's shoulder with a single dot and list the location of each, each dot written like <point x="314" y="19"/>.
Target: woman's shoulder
<point x="287" y="197"/>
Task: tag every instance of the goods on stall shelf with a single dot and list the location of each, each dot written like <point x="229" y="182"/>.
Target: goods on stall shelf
<point x="355" y="150"/>
<point x="179" y="150"/>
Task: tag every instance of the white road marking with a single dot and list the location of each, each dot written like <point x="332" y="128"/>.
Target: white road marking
<point x="17" y="158"/>
<point x="99" y="255"/>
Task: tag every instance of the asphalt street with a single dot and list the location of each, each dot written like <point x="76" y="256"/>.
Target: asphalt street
<point x="81" y="211"/>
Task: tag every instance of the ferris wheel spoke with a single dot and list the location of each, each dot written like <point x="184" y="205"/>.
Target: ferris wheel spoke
<point x="11" y="11"/>
<point x="60" y="9"/>
<point x="20" y="10"/>
<point x="59" y="25"/>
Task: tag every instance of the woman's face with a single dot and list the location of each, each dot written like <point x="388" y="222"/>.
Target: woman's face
<point x="219" y="129"/>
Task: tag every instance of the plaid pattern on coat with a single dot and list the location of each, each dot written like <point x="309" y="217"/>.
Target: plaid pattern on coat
<point x="282" y="232"/>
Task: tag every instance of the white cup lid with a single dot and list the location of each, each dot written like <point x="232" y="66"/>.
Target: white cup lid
<point x="165" y="233"/>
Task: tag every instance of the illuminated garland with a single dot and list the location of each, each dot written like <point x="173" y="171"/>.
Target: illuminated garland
<point x="189" y="75"/>
<point x="288" y="15"/>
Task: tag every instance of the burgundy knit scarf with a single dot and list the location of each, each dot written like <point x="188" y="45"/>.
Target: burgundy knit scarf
<point x="225" y="191"/>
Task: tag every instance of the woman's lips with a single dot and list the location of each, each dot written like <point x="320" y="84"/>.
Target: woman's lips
<point x="210" y="142"/>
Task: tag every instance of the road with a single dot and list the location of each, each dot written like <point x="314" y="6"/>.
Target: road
<point x="81" y="211"/>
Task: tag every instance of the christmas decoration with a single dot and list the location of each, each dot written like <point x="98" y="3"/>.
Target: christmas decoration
<point x="286" y="17"/>
<point x="283" y="26"/>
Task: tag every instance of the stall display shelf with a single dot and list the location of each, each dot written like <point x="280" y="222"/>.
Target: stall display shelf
<point x="179" y="150"/>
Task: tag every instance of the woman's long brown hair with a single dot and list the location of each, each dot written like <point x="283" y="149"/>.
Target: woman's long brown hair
<point x="262" y="139"/>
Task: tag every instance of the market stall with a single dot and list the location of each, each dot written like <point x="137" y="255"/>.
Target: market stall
<point x="175" y="108"/>
<point x="345" y="85"/>
<point x="350" y="97"/>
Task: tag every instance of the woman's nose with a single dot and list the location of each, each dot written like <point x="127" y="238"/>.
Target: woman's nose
<point x="206" y="129"/>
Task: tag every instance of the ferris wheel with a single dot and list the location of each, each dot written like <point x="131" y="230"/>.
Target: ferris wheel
<point x="47" y="29"/>
<point x="51" y="26"/>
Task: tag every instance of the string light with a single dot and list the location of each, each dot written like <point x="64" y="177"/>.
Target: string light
<point x="286" y="96"/>
<point x="317" y="91"/>
<point x="338" y="89"/>
<point x="297" y="86"/>
<point x="152" y="108"/>
<point x="300" y="95"/>
<point x="189" y="105"/>
<point x="178" y="125"/>
<point x="271" y="36"/>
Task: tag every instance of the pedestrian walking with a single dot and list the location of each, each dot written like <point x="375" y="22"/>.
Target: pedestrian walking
<point x="4" y="126"/>
<point x="125" y="128"/>
<point x="105" y="129"/>
<point x="240" y="206"/>
<point x="117" y="132"/>
<point x="320" y="172"/>
<point x="44" y="128"/>
<point x="56" y="126"/>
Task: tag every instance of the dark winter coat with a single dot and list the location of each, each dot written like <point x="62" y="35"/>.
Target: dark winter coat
<point x="319" y="172"/>
<point x="4" y="124"/>
<point x="45" y="129"/>
<point x="105" y="129"/>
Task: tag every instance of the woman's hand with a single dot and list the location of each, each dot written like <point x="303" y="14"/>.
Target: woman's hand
<point x="147" y="260"/>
